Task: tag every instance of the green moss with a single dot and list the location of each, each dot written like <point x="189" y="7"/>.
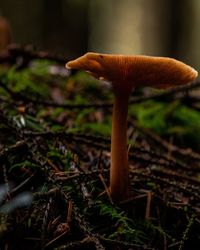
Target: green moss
<point x="169" y="119"/>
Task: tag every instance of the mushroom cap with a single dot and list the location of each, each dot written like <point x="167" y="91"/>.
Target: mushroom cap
<point x="126" y="71"/>
<point x="5" y="33"/>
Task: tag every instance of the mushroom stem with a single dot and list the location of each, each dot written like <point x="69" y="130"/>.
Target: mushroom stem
<point x="119" y="173"/>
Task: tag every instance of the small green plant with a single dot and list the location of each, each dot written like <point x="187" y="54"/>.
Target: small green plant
<point x="124" y="227"/>
<point x="56" y="155"/>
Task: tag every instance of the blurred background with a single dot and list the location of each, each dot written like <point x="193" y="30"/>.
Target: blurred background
<point x="72" y="27"/>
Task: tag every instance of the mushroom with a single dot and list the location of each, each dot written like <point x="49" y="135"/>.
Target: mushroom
<point x="5" y="34"/>
<point x="125" y="73"/>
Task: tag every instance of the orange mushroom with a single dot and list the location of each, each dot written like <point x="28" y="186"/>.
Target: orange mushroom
<point x="5" y="34"/>
<point x="125" y="73"/>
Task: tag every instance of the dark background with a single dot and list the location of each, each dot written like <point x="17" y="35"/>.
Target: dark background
<point x="72" y="27"/>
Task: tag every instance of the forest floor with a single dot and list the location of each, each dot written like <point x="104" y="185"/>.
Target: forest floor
<point x="55" y="127"/>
